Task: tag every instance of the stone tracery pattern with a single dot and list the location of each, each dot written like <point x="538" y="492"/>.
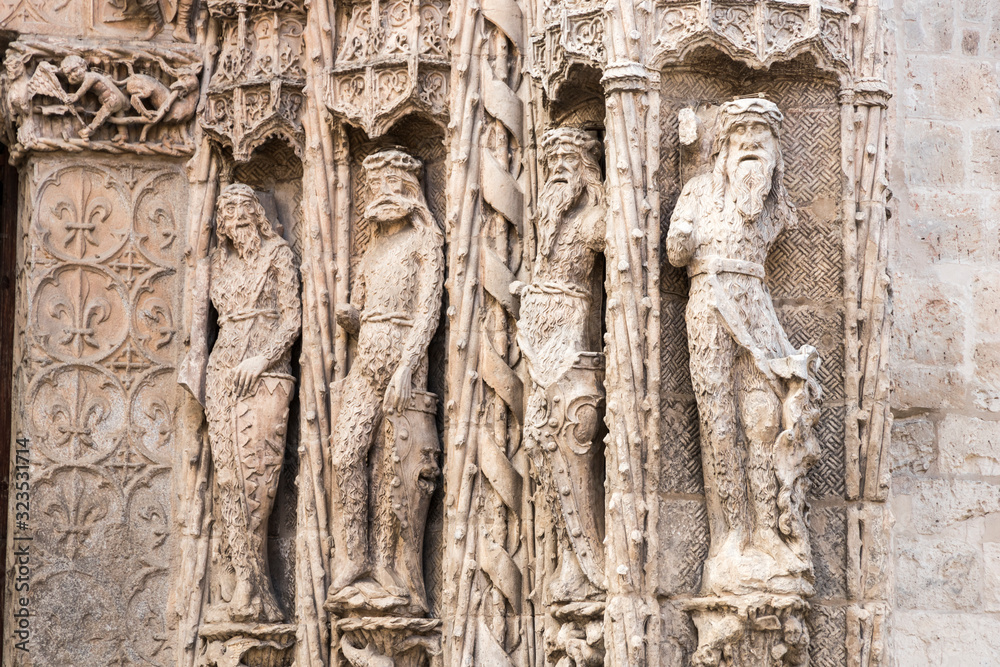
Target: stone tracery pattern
<point x="391" y="55"/>
<point x="256" y="90"/>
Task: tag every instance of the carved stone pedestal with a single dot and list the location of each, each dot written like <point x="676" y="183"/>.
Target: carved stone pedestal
<point x="756" y="630"/>
<point x="247" y="645"/>
<point x="389" y="641"/>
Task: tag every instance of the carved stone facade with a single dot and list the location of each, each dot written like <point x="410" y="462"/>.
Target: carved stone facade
<point x="441" y="332"/>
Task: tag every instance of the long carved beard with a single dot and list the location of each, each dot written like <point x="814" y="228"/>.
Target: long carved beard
<point x="246" y="240"/>
<point x="750" y="182"/>
<point x="555" y="200"/>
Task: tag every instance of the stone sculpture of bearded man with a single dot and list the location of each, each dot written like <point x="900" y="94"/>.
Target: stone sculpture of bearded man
<point x="255" y="289"/>
<point x="756" y="393"/>
<point x="560" y="338"/>
<point x="395" y="305"/>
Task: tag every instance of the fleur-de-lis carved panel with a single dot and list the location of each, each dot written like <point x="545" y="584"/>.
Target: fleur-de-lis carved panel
<point x="80" y="313"/>
<point x="82" y="216"/>
<point x="78" y="414"/>
<point x="102" y="251"/>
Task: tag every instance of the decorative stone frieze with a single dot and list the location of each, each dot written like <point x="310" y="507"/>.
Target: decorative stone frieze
<point x="65" y="96"/>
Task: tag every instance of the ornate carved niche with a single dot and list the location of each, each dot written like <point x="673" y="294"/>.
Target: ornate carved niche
<point x="804" y="274"/>
<point x="392" y="57"/>
<point x="559" y="334"/>
<point x="253" y="430"/>
<point x="571" y="33"/>
<point x="115" y="99"/>
<point x="256" y="91"/>
<point x="248" y="395"/>
<point x="275" y="173"/>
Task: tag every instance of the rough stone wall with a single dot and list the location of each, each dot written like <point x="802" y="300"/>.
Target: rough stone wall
<point x="946" y="349"/>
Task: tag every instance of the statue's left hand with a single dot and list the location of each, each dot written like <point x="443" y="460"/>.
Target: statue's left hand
<point x="247" y="373"/>
<point x="397" y="394"/>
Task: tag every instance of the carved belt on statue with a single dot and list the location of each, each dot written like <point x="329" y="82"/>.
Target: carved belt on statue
<point x="557" y="287"/>
<point x="716" y="265"/>
<point x="269" y="313"/>
<point x="399" y="318"/>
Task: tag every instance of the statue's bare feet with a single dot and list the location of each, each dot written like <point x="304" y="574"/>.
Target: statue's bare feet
<point x="217" y="613"/>
<point x="768" y="541"/>
<point x="733" y="545"/>
<point x="390" y="581"/>
<point x="345" y="573"/>
<point x="245" y="606"/>
<point x="181" y="34"/>
<point x="152" y="31"/>
<point x="365" y="657"/>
